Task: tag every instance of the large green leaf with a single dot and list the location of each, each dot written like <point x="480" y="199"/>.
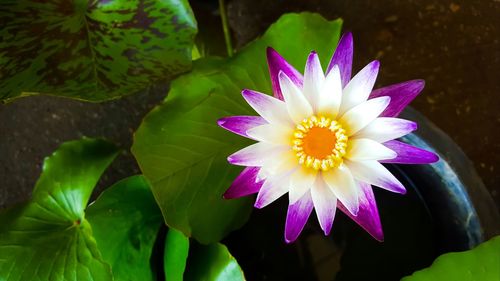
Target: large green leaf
<point x="182" y="151"/>
<point x="213" y="263"/>
<point x="175" y="255"/>
<point x="92" y="49"/>
<point x="48" y="237"/>
<point x="479" y="264"/>
<point x="125" y="221"/>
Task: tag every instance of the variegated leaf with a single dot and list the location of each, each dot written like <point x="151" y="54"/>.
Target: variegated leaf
<point x="92" y="49"/>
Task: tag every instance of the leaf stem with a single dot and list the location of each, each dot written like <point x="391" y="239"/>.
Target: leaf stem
<point x="225" y="28"/>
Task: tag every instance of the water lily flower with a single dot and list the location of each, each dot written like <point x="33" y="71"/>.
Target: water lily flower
<point x="322" y="139"/>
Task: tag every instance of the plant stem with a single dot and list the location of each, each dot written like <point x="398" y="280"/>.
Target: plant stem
<point x="225" y="28"/>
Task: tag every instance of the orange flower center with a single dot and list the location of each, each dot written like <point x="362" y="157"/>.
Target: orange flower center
<point x="319" y="143"/>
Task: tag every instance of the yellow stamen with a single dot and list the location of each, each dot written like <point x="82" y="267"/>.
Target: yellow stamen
<point x="319" y="143"/>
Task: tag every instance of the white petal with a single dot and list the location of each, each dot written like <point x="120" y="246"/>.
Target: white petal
<point x="360" y="87"/>
<point x="297" y="105"/>
<point x="255" y="155"/>
<point x="281" y="162"/>
<point x="325" y="204"/>
<point x="271" y="109"/>
<point x="272" y="133"/>
<point x="360" y="116"/>
<point x="366" y="149"/>
<point x="341" y="182"/>
<point x="374" y="173"/>
<point x="385" y="129"/>
<point x="301" y="181"/>
<point x="330" y="95"/>
<point x="273" y="188"/>
<point x="313" y="79"/>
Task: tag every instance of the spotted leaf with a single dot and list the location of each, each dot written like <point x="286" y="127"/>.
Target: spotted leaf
<point x="92" y="49"/>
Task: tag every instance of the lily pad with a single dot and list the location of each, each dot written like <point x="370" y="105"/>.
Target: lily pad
<point x="48" y="237"/>
<point x="181" y="150"/>
<point x="125" y="221"/>
<point x="92" y="49"/>
<point x="480" y="263"/>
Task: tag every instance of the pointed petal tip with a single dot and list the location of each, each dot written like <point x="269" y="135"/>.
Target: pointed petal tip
<point x="400" y="190"/>
<point x="226" y="196"/>
<point x="245" y="92"/>
<point x="419" y="84"/>
<point x="347" y="35"/>
<point x="433" y="157"/>
<point x="270" y="51"/>
<point x="221" y="122"/>
<point x="413" y="126"/>
<point x="375" y="65"/>
<point x="379" y="237"/>
<point x="258" y="205"/>
<point x="327" y="231"/>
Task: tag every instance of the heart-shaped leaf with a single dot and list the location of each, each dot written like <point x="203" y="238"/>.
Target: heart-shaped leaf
<point x="480" y="263"/>
<point x="92" y="49"/>
<point x="125" y="221"/>
<point x="182" y="151"/>
<point x="48" y="237"/>
<point x="175" y="255"/>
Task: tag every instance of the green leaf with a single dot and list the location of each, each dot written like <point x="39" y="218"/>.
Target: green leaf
<point x="92" y="49"/>
<point x="478" y="264"/>
<point x="175" y="255"/>
<point x="48" y="238"/>
<point x="213" y="263"/>
<point x="125" y="220"/>
<point x="181" y="150"/>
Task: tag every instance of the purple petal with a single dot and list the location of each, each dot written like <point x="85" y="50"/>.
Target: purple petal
<point x="241" y="124"/>
<point x="343" y="58"/>
<point x="276" y="63"/>
<point x="408" y="154"/>
<point x="368" y="217"/>
<point x="401" y="95"/>
<point x="244" y="184"/>
<point x="297" y="216"/>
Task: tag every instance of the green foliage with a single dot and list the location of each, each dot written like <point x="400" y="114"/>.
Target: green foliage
<point x="213" y="263"/>
<point x="48" y="237"/>
<point x="125" y="221"/>
<point x="181" y="150"/>
<point x="479" y="264"/>
<point x="175" y="255"/>
<point x="92" y="49"/>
